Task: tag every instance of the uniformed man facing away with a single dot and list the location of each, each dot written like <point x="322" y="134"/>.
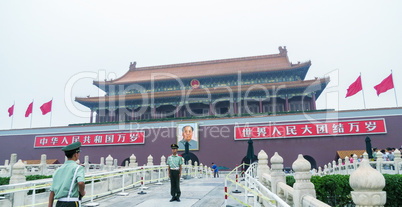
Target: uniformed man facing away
<point x="69" y="180"/>
<point x="174" y="162"/>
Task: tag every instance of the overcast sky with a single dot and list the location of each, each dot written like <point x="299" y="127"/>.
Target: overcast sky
<point x="54" y="49"/>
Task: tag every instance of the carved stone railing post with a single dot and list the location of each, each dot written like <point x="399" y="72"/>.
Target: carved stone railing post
<point x="43" y="165"/>
<point x="262" y="164"/>
<point x="277" y="174"/>
<point x="163" y="162"/>
<point x="379" y="161"/>
<point x="397" y="161"/>
<point x="102" y="163"/>
<point x="355" y="161"/>
<point x="18" y="176"/>
<point x="115" y="164"/>
<point x="196" y="169"/>
<point x="201" y="169"/>
<point x="347" y="165"/>
<point x="133" y="161"/>
<point x="334" y="167"/>
<point x="150" y="161"/>
<point x="86" y="163"/>
<point x="109" y="163"/>
<point x="303" y="186"/>
<point x="340" y="164"/>
<point x="13" y="160"/>
<point x="367" y="184"/>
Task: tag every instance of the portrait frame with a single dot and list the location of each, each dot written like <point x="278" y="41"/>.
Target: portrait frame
<point x="195" y="136"/>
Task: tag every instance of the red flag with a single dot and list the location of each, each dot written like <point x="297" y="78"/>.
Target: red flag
<point x="29" y="110"/>
<point x="355" y="87"/>
<point x="11" y="111"/>
<point x="46" y="107"/>
<point x="385" y="85"/>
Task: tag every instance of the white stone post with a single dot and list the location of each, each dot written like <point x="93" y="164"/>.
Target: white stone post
<point x="115" y="164"/>
<point x="13" y="160"/>
<point x="367" y="184"/>
<point x="18" y="176"/>
<point x="133" y="161"/>
<point x="86" y="163"/>
<point x="262" y="164"/>
<point x="397" y="161"/>
<point x="355" y="161"/>
<point x="150" y="161"/>
<point x="109" y="163"/>
<point x="196" y="169"/>
<point x="347" y="165"/>
<point x="201" y="168"/>
<point x="303" y="186"/>
<point x="277" y="174"/>
<point x="334" y="167"/>
<point x="379" y="161"/>
<point x="43" y="165"/>
<point x="340" y="164"/>
<point x="102" y="163"/>
<point x="163" y="162"/>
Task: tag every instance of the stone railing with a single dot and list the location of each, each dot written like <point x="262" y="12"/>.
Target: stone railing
<point x="104" y="179"/>
<point x="365" y="181"/>
<point x="346" y="167"/>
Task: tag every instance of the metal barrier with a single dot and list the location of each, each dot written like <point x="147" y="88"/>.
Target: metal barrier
<point x="251" y="188"/>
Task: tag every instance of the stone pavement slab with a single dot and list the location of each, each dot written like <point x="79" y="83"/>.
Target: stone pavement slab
<point x="205" y="192"/>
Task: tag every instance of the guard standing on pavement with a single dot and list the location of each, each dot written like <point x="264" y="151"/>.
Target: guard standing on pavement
<point x="174" y="162"/>
<point x="69" y="180"/>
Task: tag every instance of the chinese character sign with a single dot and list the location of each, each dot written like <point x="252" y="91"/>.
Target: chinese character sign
<point x="336" y="128"/>
<point x="100" y="139"/>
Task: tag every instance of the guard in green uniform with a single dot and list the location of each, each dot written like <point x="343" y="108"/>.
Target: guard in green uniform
<point x="69" y="180"/>
<point x="174" y="162"/>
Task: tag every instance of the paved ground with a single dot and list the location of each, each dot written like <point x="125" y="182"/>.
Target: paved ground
<point x="207" y="192"/>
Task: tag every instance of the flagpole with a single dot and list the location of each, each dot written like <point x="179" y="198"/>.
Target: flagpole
<point x="12" y="118"/>
<point x="30" y="125"/>
<point x="51" y="113"/>
<point x="396" y="100"/>
<point x="364" y="100"/>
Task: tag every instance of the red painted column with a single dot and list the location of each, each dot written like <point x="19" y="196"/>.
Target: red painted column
<point x="132" y="114"/>
<point x="260" y="105"/>
<point x="235" y="107"/>
<point x="177" y="111"/>
<point x="313" y="106"/>
<point x="286" y="103"/>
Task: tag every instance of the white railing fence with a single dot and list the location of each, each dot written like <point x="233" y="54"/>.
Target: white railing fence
<point x="267" y="185"/>
<point x="346" y="167"/>
<point x="100" y="181"/>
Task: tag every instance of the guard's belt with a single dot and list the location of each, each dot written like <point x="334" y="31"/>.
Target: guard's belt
<point x="68" y="199"/>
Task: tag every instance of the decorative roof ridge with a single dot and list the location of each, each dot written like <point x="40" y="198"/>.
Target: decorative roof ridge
<point x="228" y="60"/>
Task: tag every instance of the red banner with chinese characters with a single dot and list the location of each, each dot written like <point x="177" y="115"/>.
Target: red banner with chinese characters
<point x="98" y="139"/>
<point x="309" y="129"/>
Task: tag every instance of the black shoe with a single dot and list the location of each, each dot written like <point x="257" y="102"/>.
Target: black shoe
<point x="178" y="199"/>
<point x="173" y="199"/>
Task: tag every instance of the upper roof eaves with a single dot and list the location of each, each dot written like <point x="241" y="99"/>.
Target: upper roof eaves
<point x="221" y="67"/>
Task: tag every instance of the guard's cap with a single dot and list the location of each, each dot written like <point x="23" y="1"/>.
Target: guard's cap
<point x="71" y="147"/>
<point x="174" y="146"/>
